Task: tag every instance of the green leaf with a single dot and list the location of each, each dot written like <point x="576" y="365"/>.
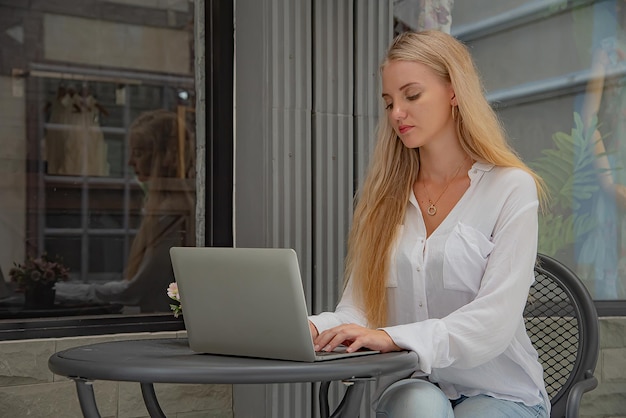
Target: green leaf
<point x="571" y="177"/>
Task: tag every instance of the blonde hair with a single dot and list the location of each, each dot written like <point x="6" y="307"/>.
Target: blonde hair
<point x="381" y="203"/>
<point x="170" y="189"/>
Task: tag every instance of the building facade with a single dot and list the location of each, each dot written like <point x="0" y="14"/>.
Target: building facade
<point x="281" y="98"/>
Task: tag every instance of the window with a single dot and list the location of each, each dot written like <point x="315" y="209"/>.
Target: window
<point x="555" y="73"/>
<point x="98" y="154"/>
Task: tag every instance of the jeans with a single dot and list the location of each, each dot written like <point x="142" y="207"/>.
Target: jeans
<point x="410" y="398"/>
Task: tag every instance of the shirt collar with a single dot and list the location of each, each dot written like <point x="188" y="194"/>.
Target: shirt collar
<point x="482" y="166"/>
<point x="478" y="169"/>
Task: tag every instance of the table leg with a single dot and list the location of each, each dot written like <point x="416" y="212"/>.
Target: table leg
<point x="323" y="399"/>
<point x="150" y="399"/>
<point x="350" y="405"/>
<point x="86" y="398"/>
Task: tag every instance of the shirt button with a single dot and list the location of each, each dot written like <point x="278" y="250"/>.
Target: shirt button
<point x="420" y="304"/>
<point x="418" y="268"/>
<point x="475" y="171"/>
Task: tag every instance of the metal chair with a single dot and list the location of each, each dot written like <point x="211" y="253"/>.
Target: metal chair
<point x="562" y="323"/>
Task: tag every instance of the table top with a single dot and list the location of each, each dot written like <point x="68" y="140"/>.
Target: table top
<point x="172" y="361"/>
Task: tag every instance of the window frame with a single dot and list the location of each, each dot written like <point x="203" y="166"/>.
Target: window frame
<point x="214" y="89"/>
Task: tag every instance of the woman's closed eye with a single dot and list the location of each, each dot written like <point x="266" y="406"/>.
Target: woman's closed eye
<point x="410" y="98"/>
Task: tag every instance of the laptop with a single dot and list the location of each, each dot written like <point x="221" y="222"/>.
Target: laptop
<point x="246" y="302"/>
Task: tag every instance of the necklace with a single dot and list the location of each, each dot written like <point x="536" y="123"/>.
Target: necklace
<point x="432" y="209"/>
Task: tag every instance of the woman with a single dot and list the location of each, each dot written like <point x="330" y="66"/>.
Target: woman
<point x="162" y="158"/>
<point x="443" y="245"/>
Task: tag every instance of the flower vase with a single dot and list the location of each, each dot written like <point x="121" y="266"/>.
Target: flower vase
<point x="39" y="297"/>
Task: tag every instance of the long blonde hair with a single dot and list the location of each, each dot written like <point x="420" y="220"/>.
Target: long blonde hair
<point x="381" y="203"/>
<point x="170" y="188"/>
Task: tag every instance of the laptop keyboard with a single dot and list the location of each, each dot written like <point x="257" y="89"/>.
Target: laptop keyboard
<point x="326" y="353"/>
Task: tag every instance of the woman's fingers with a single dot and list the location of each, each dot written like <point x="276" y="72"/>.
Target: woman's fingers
<point x="328" y="340"/>
<point x="354" y="337"/>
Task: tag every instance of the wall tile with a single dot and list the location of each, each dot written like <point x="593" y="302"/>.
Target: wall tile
<point x="176" y="399"/>
<point x="612" y="332"/>
<point x="616" y="357"/>
<point x="25" y="362"/>
<point x="54" y="400"/>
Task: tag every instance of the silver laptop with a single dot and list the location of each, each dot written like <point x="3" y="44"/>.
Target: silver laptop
<point x="245" y="302"/>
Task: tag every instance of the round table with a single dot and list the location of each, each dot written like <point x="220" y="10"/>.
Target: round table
<point x="172" y="361"/>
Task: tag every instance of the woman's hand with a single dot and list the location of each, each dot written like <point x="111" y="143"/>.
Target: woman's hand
<point x="354" y="337"/>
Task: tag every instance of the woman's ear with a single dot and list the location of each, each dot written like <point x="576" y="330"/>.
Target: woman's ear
<point x="453" y="101"/>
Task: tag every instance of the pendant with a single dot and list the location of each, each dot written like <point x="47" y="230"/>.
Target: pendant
<point x="432" y="210"/>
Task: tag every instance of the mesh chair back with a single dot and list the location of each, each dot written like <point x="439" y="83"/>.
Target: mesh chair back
<point x="562" y="323"/>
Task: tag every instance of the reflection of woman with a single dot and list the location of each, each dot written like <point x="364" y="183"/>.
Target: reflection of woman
<point x="601" y="250"/>
<point x="163" y="161"/>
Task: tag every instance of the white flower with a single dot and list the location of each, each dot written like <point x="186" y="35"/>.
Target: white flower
<point x="172" y="293"/>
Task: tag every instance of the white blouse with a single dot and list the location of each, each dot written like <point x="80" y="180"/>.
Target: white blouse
<point x="456" y="298"/>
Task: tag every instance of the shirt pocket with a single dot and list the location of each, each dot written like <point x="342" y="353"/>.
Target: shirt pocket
<point x="465" y="259"/>
<point x="392" y="279"/>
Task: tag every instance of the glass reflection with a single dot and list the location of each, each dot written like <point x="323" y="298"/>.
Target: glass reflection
<point x="73" y="83"/>
<point x="161" y="155"/>
<point x="583" y="160"/>
<point x="422" y="14"/>
<point x="601" y="250"/>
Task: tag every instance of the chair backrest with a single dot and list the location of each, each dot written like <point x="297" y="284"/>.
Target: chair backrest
<point x="562" y="323"/>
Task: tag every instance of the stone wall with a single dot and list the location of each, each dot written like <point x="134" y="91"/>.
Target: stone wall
<point x="29" y="388"/>
<point x="608" y="400"/>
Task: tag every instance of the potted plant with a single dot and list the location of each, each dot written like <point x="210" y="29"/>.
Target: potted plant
<point x="36" y="277"/>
